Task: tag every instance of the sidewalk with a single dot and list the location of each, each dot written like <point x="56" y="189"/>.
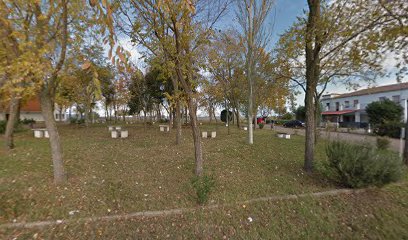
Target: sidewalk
<point x="358" y="138"/>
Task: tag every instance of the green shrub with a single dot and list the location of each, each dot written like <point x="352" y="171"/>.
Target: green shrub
<point x="359" y="166"/>
<point x="164" y="120"/>
<point x="3" y="126"/>
<point x="28" y="121"/>
<point x="73" y="120"/>
<point x="203" y="186"/>
<point x="383" y="143"/>
<point x="389" y="129"/>
<point x="261" y="125"/>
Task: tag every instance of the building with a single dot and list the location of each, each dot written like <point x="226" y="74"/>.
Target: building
<point x="32" y="110"/>
<point x="349" y="109"/>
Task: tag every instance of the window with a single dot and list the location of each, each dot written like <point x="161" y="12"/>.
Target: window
<point x="337" y="106"/>
<point x="396" y="98"/>
<point x="56" y="116"/>
<point x="346" y="104"/>
<point x="327" y="106"/>
<point x="355" y="103"/>
<point x="382" y="98"/>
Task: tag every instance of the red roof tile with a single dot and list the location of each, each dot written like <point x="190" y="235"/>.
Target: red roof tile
<point x="32" y="105"/>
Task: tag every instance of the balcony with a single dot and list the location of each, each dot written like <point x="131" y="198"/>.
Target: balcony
<point x="342" y="107"/>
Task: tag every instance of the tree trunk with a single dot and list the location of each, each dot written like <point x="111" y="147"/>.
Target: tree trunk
<point x="12" y="121"/>
<point x="196" y="137"/>
<point x="209" y="113"/>
<point x="55" y="143"/>
<point x="312" y="49"/>
<point x="170" y="117"/>
<point x="406" y="142"/>
<point x="144" y="119"/>
<point x="177" y="119"/>
<point x="249" y="73"/>
<point x="193" y="117"/>
<point x="237" y="117"/>
<point x="228" y="123"/>
<point x="317" y="119"/>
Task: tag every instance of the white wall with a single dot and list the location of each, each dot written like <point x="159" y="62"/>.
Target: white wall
<point x="37" y="116"/>
<point x="364" y="100"/>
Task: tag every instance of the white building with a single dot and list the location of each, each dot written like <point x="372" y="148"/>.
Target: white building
<point x="32" y="110"/>
<point x="349" y="109"/>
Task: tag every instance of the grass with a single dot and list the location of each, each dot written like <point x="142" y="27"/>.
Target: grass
<point x="148" y="171"/>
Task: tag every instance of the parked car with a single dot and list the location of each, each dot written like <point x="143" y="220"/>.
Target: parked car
<point x="294" y="124"/>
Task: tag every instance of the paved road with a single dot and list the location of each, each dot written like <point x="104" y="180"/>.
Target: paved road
<point x="394" y="143"/>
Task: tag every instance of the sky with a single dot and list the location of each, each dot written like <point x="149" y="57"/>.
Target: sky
<point x="282" y="16"/>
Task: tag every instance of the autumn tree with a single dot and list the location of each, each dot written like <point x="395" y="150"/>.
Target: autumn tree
<point x="176" y="31"/>
<point x="39" y="33"/>
<point x="341" y="44"/>
<point x="224" y="63"/>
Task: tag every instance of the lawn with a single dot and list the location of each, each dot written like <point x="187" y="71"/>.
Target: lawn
<point x="148" y="171"/>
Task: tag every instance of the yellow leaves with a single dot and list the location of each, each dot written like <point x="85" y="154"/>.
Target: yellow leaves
<point x="104" y="3"/>
<point x="86" y="65"/>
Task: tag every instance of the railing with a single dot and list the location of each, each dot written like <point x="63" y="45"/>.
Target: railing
<point x="342" y="107"/>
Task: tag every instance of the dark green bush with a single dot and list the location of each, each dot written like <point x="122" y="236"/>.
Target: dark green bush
<point x="3" y="126"/>
<point x="28" y="121"/>
<point x="359" y="166"/>
<point x="383" y="143"/>
<point x="261" y="125"/>
<point x="224" y="116"/>
<point x="164" y="120"/>
<point x="280" y="122"/>
<point x="389" y="129"/>
<point x="73" y="120"/>
<point x="203" y="186"/>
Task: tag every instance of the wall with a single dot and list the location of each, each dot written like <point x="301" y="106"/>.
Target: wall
<point x="364" y="100"/>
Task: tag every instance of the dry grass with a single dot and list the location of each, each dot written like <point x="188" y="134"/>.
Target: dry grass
<point x="148" y="171"/>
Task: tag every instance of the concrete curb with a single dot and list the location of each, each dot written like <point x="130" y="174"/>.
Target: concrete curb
<point x="42" y="224"/>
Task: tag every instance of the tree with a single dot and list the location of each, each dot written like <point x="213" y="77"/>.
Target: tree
<point x="330" y="31"/>
<point x="147" y="92"/>
<point x="251" y="17"/>
<point x="225" y="115"/>
<point x="381" y="112"/>
<point x="300" y="113"/>
<point x="224" y="63"/>
<point x="42" y="38"/>
<point x="175" y="31"/>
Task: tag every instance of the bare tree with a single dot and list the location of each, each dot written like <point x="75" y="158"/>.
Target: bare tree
<point x="251" y="17"/>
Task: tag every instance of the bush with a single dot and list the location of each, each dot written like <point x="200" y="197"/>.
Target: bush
<point x="383" y="143"/>
<point x="224" y="116"/>
<point x="261" y="125"/>
<point x="359" y="166"/>
<point x="28" y="121"/>
<point x="77" y="121"/>
<point x="164" y="120"/>
<point x="203" y="186"/>
<point x="389" y="129"/>
<point x="73" y="120"/>
<point x="3" y="126"/>
<point x="384" y="111"/>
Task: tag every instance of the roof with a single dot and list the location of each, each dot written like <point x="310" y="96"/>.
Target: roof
<point x="33" y="105"/>
<point x="338" y="112"/>
<point x="372" y="90"/>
